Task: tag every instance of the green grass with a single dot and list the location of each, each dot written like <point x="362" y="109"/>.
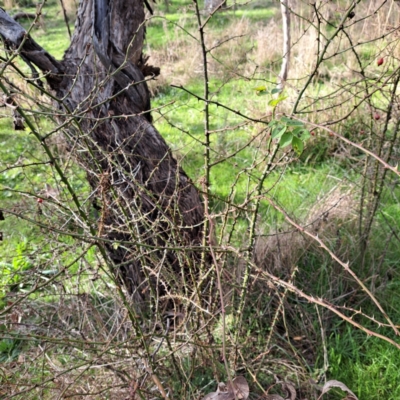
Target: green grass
<point x="164" y="28"/>
<point x="53" y="36"/>
<point x="367" y="365"/>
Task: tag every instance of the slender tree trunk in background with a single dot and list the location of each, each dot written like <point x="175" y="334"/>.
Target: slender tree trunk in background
<point x="8" y="4"/>
<point x="147" y="203"/>
<point x="166" y="2"/>
<point x="70" y="6"/>
<point x="211" y="5"/>
<point x="283" y="74"/>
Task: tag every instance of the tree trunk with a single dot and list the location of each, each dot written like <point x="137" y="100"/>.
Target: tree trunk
<point x="212" y="5"/>
<point x="150" y="212"/>
<point x="283" y="74"/>
<point x="8" y="4"/>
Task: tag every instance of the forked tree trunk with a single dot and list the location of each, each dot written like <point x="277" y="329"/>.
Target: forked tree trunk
<point x="150" y="211"/>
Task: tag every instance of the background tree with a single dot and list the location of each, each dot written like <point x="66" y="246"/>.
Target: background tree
<point x="210" y="6"/>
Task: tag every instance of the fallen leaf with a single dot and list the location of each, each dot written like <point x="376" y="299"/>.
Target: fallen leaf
<point x="288" y="388"/>
<point x="273" y="397"/>
<point x="240" y="387"/>
<point x="219" y="396"/>
<point x="333" y="383"/>
<point x="237" y="390"/>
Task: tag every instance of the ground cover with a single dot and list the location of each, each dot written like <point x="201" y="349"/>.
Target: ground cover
<point x="323" y="190"/>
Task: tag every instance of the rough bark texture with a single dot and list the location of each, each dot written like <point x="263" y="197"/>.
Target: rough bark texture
<point x="145" y="197"/>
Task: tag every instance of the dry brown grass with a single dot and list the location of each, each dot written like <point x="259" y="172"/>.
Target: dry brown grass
<point x="71" y="7"/>
<point x="236" y="52"/>
<point x="247" y="49"/>
<point x="268" y="42"/>
<point x="88" y="357"/>
<point x="280" y="253"/>
<point x="298" y="259"/>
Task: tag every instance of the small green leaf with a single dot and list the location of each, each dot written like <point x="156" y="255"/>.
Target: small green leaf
<point x="291" y="122"/>
<point x="273" y="123"/>
<point x="298" y="131"/>
<point x="276" y="90"/>
<point x="298" y="145"/>
<point x="275" y="102"/>
<point x="260" y="88"/>
<point x="286" y="139"/>
<point x="305" y="135"/>
<point x="278" y="131"/>
<point x="302" y="133"/>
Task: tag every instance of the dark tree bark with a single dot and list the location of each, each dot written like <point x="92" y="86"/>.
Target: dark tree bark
<point x="148" y="204"/>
